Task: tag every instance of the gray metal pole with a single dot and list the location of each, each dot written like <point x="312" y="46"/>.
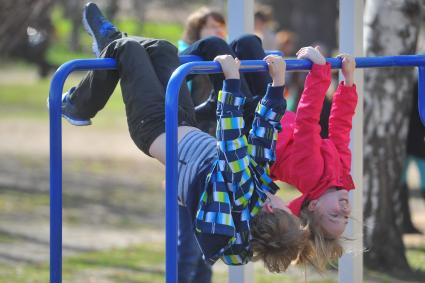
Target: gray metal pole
<point x="240" y="17"/>
<point x="351" y="41"/>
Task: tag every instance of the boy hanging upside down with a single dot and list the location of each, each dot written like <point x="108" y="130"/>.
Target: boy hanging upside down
<point x="223" y="182"/>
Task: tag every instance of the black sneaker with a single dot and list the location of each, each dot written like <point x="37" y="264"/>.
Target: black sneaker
<point x="100" y="29"/>
<point x="68" y="111"/>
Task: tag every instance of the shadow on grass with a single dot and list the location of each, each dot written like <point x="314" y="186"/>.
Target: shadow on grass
<point x="397" y="276"/>
<point x="34" y="240"/>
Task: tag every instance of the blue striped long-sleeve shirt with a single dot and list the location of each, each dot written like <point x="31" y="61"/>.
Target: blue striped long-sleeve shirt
<point x="236" y="185"/>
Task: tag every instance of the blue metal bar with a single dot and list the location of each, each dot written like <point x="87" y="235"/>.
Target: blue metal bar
<point x="171" y="102"/>
<point x="56" y="87"/>
<point x="194" y="58"/>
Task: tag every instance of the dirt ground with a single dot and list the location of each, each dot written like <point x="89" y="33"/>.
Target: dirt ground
<point x="104" y="194"/>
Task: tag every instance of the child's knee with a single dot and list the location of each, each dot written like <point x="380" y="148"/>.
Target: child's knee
<point x="128" y="44"/>
<point x="166" y="46"/>
<point x="215" y="43"/>
<point x="249" y="40"/>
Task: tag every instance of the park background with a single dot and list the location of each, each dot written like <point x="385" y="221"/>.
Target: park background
<point x="113" y="195"/>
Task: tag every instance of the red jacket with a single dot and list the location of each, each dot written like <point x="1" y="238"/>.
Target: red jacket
<point x="303" y="158"/>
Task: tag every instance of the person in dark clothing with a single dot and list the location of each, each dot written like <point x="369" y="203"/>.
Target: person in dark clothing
<point x="223" y="182"/>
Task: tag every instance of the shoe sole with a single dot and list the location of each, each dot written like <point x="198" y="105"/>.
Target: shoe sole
<point x="76" y="122"/>
<point x="95" y="46"/>
<point x="70" y="120"/>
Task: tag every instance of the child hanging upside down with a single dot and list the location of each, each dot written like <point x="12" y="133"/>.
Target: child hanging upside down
<point x="223" y="182"/>
<point x="319" y="168"/>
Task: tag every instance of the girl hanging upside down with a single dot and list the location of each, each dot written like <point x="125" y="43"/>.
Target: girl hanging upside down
<point x="319" y="168"/>
<point x="222" y="181"/>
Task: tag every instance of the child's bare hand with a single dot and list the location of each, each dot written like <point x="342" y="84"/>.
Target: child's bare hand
<point x="229" y="65"/>
<point x="277" y="68"/>
<point x="313" y="54"/>
<point x="348" y="68"/>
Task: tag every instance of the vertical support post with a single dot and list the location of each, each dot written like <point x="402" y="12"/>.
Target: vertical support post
<point x="56" y="88"/>
<point x="171" y="175"/>
<point x="240" y="19"/>
<point x="351" y="41"/>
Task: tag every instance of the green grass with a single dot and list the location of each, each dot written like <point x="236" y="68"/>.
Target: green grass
<point x="416" y="257"/>
<point x="28" y="100"/>
<point x="59" y="51"/>
<point x="22" y="201"/>
<point x="36" y="273"/>
<point x="143" y="263"/>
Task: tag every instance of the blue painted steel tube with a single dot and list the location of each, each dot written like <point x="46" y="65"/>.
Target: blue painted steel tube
<point x="171" y="102"/>
<point x="56" y="87"/>
<point x="193" y="58"/>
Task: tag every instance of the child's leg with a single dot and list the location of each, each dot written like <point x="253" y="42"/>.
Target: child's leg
<point x="191" y="266"/>
<point x="208" y="49"/>
<point x="143" y="93"/>
<point x="164" y="58"/>
<point x="92" y="93"/>
<point x="249" y="47"/>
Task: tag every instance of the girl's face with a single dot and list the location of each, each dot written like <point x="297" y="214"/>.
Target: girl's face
<point x="213" y="28"/>
<point x="332" y="211"/>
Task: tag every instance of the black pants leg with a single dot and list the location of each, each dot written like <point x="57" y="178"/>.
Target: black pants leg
<point x="144" y="67"/>
<point x="208" y="49"/>
<point x="249" y="47"/>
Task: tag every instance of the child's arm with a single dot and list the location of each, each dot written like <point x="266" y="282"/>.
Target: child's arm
<point x="231" y="143"/>
<point x="307" y="159"/>
<point x="343" y="106"/>
<point x="266" y="124"/>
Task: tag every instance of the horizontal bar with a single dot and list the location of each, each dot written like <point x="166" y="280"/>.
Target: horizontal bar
<point x="259" y="65"/>
<point x="195" y="58"/>
<point x="305" y="65"/>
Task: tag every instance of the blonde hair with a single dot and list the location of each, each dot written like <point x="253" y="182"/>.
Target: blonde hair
<point x="322" y="251"/>
<point x="197" y="21"/>
<point x="277" y="239"/>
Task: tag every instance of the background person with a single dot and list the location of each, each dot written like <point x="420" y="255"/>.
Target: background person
<point x="263" y="22"/>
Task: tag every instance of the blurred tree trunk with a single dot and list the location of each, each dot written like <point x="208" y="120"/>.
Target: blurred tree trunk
<point x="313" y="21"/>
<point x="26" y="31"/>
<point x="16" y="17"/>
<point x="140" y="10"/>
<point x="112" y="9"/>
<point x="391" y="28"/>
<point x="73" y="11"/>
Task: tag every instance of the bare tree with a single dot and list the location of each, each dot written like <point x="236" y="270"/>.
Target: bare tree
<point x="391" y="28"/>
<point x="72" y="10"/>
<point x="26" y="30"/>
